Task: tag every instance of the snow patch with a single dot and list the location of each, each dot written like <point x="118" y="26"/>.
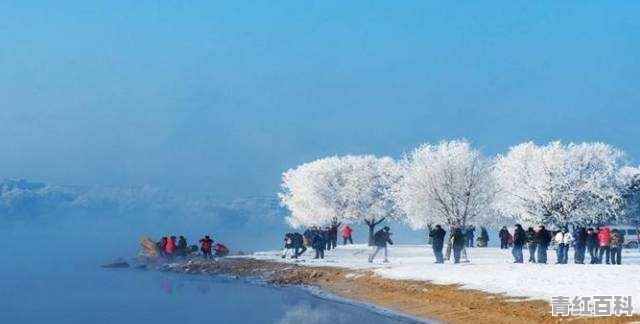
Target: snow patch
<point x="491" y="270"/>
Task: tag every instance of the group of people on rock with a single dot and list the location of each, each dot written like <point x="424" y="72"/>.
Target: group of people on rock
<point x="602" y="243"/>
<point x="170" y="247"/>
<point x="318" y="238"/>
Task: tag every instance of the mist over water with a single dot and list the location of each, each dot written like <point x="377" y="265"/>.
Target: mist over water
<point x="51" y="274"/>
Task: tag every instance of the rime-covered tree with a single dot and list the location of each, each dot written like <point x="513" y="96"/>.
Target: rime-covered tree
<point x="309" y="192"/>
<point x="629" y="182"/>
<point x="352" y="189"/>
<point x="559" y="184"/>
<point x="449" y="183"/>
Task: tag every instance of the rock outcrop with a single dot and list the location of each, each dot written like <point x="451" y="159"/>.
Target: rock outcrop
<point x="149" y="249"/>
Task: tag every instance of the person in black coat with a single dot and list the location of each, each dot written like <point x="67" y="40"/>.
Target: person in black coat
<point x="504" y="237"/>
<point x="327" y="237"/>
<point x="298" y="245"/>
<point x="182" y="246"/>
<point x="483" y="239"/>
<point x="519" y="238"/>
<point x="531" y="244"/>
<point x="469" y="234"/>
<point x="381" y="239"/>
<point x="458" y="242"/>
<point x="318" y="243"/>
<point x="437" y="242"/>
<point x="580" y="244"/>
<point x="543" y="237"/>
<point x="333" y="232"/>
<point x="592" y="245"/>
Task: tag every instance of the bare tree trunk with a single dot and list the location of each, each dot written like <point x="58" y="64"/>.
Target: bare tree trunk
<point x="372" y="225"/>
<point x="371" y="229"/>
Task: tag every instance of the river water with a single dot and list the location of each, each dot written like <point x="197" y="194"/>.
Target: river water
<point x="129" y="296"/>
<point x="51" y="274"/>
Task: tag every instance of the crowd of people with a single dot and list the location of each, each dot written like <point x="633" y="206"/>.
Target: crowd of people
<point x="171" y="247"/>
<point x="603" y="244"/>
<point x="325" y="239"/>
<point x="318" y="238"/>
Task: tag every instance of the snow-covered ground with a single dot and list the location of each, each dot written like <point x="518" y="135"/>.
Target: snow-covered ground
<point x="490" y="270"/>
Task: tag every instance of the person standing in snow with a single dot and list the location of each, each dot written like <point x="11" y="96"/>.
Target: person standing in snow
<point x="530" y="236"/>
<point x="457" y="243"/>
<point x="563" y="239"/>
<point x="346" y="235"/>
<point x="469" y="235"/>
<point x="592" y="245"/>
<point x="298" y="244"/>
<point x="542" y="239"/>
<point x="519" y="238"/>
<point x="504" y="238"/>
<point x="327" y="237"/>
<point x="381" y="238"/>
<point x="333" y="232"/>
<point x="483" y="239"/>
<point x="604" y="240"/>
<point x="307" y="235"/>
<point x="318" y="243"/>
<point x="579" y="244"/>
<point x="437" y="242"/>
<point x="617" y="240"/>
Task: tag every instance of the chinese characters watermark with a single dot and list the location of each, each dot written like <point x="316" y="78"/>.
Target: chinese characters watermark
<point x="591" y="306"/>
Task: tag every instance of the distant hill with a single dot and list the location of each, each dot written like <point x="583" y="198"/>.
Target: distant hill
<point x="22" y="199"/>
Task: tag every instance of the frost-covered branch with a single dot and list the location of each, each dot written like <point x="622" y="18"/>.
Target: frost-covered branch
<point x="559" y="184"/>
<point x="449" y="183"/>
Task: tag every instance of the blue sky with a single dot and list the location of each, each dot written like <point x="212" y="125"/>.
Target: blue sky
<point x="221" y="97"/>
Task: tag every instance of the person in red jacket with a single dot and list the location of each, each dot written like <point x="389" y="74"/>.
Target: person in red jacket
<point x="221" y="250"/>
<point x="205" y="246"/>
<point x="604" y="239"/>
<point x="170" y="248"/>
<point x="346" y="235"/>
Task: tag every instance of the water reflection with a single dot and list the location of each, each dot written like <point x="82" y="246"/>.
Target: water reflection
<point x="330" y="312"/>
<point x="285" y="305"/>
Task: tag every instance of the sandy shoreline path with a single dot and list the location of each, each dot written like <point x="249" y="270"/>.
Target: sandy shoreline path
<point x="441" y="302"/>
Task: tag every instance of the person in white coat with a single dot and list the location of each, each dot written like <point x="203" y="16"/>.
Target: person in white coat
<point x="563" y="240"/>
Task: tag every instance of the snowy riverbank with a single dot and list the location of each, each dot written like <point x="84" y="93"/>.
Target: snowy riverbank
<point x="490" y="270"/>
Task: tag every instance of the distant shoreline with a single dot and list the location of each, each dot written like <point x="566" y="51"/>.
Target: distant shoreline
<point x="419" y="299"/>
